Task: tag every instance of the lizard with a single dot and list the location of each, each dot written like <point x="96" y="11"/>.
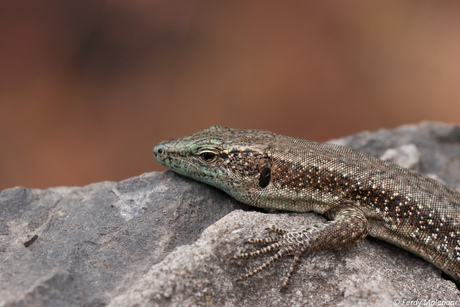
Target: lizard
<point x="359" y="194"/>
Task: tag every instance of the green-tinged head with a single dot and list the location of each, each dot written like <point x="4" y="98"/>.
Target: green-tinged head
<point x="233" y="160"/>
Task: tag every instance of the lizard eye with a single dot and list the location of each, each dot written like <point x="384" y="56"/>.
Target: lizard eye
<point x="208" y="156"/>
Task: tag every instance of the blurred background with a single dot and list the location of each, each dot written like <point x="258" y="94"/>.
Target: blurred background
<point x="88" y="87"/>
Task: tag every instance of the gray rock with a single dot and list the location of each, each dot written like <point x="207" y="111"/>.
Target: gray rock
<point x="162" y="239"/>
<point x="93" y="242"/>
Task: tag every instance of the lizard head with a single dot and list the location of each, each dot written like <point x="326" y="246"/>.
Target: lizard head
<point x="230" y="159"/>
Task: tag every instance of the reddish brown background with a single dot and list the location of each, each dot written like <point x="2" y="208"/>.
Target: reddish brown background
<point x="88" y="87"/>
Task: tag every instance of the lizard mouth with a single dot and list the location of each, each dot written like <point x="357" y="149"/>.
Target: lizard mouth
<point x="167" y="155"/>
<point x="159" y="153"/>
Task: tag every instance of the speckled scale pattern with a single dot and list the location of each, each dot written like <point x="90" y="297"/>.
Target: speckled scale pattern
<point x="403" y="207"/>
<point x="397" y="205"/>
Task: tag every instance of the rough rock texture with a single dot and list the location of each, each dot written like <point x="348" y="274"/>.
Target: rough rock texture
<point x="94" y="242"/>
<point x="161" y="239"/>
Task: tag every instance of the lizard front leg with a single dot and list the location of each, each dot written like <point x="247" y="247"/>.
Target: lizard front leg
<point x="347" y="226"/>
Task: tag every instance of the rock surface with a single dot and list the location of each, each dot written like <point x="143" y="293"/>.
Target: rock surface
<point x="162" y="239"/>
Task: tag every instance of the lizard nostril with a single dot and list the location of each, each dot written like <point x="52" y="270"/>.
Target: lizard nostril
<point x="160" y="151"/>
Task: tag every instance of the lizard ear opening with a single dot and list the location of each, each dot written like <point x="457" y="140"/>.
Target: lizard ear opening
<point x="265" y="177"/>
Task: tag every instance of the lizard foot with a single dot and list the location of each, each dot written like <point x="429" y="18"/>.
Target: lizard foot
<point x="348" y="227"/>
<point x="296" y="243"/>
